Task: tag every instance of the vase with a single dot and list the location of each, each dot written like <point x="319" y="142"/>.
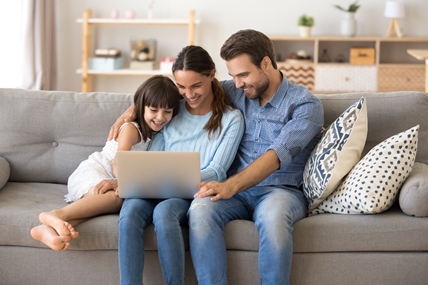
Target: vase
<point x="348" y="25"/>
<point x="305" y="32"/>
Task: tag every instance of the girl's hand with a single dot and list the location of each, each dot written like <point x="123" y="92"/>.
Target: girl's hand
<point x="105" y="186"/>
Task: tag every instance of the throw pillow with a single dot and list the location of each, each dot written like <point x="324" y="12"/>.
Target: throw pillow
<point x="336" y="153"/>
<point x="414" y="192"/>
<point x="373" y="184"/>
<point x="4" y="171"/>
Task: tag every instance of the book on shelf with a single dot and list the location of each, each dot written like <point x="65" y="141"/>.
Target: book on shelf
<point x="107" y="52"/>
<point x="143" y="65"/>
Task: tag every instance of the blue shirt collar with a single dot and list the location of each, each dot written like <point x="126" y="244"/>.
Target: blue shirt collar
<point x="279" y="95"/>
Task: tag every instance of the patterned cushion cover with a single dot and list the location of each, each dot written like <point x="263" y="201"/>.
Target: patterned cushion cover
<point x="337" y="152"/>
<point x="373" y="184"/>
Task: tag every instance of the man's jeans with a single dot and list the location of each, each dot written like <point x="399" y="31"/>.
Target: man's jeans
<point x="273" y="209"/>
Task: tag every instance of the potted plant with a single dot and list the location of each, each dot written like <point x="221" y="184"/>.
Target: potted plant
<point x="348" y="25"/>
<point x="351" y="9"/>
<point x="305" y="24"/>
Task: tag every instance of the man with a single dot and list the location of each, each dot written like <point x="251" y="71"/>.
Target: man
<point x="283" y="124"/>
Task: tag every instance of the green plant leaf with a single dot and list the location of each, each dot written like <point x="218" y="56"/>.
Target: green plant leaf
<point x="306" y="21"/>
<point x="352" y="8"/>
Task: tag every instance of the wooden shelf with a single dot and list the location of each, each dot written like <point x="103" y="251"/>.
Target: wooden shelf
<point x="126" y="71"/>
<point x="391" y="62"/>
<point x="347" y="39"/>
<point x="88" y="23"/>
<point x="157" y="22"/>
<point x="421" y="54"/>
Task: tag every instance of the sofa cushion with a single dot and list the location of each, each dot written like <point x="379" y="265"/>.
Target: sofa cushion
<point x="373" y="184"/>
<point x="414" y="192"/>
<point x="391" y="231"/>
<point x="336" y="153"/>
<point x="21" y="204"/>
<point x="57" y="130"/>
<point x="388" y="114"/>
<point x="4" y="171"/>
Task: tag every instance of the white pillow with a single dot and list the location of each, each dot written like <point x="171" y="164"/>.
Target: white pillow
<point x="336" y="153"/>
<point x="373" y="184"/>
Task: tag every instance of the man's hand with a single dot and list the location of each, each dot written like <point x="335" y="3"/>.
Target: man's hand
<point x="105" y="186"/>
<point x="215" y="189"/>
<point x="127" y="116"/>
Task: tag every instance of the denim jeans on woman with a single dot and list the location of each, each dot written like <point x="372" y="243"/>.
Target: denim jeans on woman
<point x="168" y="216"/>
<point x="273" y="209"/>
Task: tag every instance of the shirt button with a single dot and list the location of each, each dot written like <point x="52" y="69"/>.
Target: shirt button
<point x="256" y="140"/>
<point x="54" y="144"/>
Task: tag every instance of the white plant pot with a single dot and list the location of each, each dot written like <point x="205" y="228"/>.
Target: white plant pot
<point x="348" y="25"/>
<point x="305" y="32"/>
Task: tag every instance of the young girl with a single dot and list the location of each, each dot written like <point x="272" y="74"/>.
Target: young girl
<point x="156" y="102"/>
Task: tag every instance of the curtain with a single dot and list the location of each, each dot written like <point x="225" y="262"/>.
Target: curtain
<point x="39" y="44"/>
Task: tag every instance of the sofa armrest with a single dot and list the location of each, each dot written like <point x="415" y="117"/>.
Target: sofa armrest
<point x="4" y="171"/>
<point x="414" y="192"/>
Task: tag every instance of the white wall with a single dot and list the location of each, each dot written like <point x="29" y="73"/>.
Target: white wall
<point x="219" y="19"/>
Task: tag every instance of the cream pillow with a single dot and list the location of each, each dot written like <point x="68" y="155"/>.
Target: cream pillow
<point x="336" y="153"/>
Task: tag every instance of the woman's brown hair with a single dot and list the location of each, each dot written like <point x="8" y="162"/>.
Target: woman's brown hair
<point x="197" y="59"/>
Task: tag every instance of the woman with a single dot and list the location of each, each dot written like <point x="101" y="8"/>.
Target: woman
<point x="207" y="123"/>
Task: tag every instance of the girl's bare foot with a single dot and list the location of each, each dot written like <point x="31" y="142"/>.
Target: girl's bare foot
<point x="48" y="236"/>
<point x="73" y="233"/>
<point x="61" y="227"/>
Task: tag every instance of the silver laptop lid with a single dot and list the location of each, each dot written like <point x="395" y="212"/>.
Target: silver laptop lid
<point x="158" y="174"/>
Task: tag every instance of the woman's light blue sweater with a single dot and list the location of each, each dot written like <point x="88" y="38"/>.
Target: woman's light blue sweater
<point x="186" y="132"/>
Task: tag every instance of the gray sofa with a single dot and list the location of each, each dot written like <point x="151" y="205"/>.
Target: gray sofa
<point x="45" y="134"/>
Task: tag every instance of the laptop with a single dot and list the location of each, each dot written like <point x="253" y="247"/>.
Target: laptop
<point x="158" y="174"/>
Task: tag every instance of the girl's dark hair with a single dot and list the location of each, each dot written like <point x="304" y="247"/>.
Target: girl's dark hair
<point x="159" y="92"/>
<point x="197" y="59"/>
<point x="253" y="43"/>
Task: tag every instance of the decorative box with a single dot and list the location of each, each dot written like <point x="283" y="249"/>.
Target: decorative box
<point x="143" y="65"/>
<point x="166" y="64"/>
<point x="106" y="63"/>
<point x="362" y="55"/>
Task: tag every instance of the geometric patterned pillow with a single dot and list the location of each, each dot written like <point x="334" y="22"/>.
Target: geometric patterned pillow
<point x="374" y="183"/>
<point x="336" y="153"/>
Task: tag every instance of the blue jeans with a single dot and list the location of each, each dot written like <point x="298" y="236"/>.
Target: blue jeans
<point x="134" y="217"/>
<point x="168" y="217"/>
<point x="273" y="209"/>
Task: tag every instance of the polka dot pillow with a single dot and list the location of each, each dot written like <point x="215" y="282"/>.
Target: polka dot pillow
<point x="373" y="184"/>
<point x="336" y="153"/>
